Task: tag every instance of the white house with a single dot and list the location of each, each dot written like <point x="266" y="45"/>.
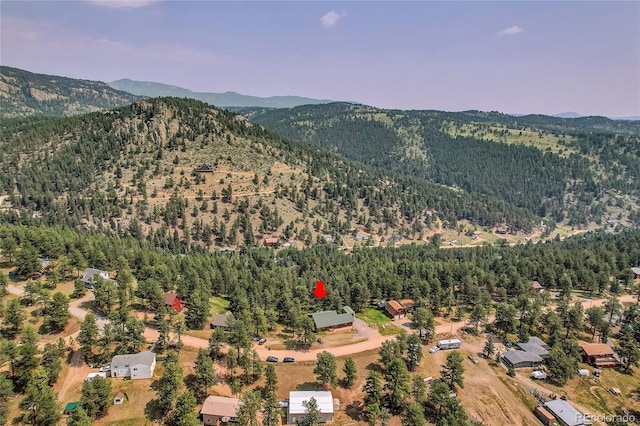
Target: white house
<point x="134" y="366"/>
<point x="297" y="410"/>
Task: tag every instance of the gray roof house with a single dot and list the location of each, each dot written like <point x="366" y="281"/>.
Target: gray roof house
<point x="636" y="272"/>
<point x="530" y="354"/>
<point x="221" y="320"/>
<point x="566" y="414"/>
<point x="88" y="276"/>
<point x="331" y="319"/>
<point x="521" y="359"/>
<point x="134" y="366"/>
<point x="535" y="345"/>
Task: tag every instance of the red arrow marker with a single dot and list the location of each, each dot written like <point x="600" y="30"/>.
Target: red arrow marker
<point x="320" y="292"/>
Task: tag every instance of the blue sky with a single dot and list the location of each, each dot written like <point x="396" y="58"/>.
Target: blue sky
<point x="518" y="57"/>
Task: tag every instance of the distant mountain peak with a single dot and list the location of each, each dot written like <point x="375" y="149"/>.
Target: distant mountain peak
<point x="568" y="114"/>
<point x="225" y="99"/>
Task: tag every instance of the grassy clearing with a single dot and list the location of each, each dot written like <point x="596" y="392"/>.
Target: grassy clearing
<point x="219" y="305"/>
<point x="131" y="412"/>
<point x="374" y="317"/>
<point x="389" y="330"/>
<point x="541" y="140"/>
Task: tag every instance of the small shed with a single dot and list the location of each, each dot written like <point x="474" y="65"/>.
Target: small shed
<point x="118" y="399"/>
<point x="545" y="417"/>
<point x="70" y="407"/>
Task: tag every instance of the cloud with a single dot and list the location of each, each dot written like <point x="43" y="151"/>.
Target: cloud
<point x="36" y="45"/>
<point x="122" y="4"/>
<point x="511" y="31"/>
<point x="330" y="19"/>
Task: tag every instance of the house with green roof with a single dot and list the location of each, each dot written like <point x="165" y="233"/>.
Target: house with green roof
<point x="327" y="320"/>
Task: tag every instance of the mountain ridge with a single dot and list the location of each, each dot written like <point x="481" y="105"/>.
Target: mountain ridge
<point x="25" y="93"/>
<point x="223" y="99"/>
<point x="139" y="178"/>
<point x="568" y="169"/>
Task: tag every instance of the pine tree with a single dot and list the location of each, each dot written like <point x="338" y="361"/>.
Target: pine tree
<point x="453" y="370"/>
<point x="350" y="371"/>
<point x="88" y="336"/>
<point x="312" y="416"/>
<point x="96" y="396"/>
<point x="40" y="403"/>
<point x="414" y="416"/>
<point x="271" y="379"/>
<point x="489" y="349"/>
<point x="397" y="382"/>
<point x="325" y="369"/>
<point x="249" y="407"/>
<point x="57" y="313"/>
<point x="184" y="414"/>
<point x="79" y="417"/>
<point x="168" y="385"/>
<point x="373" y="388"/>
<point x="14" y="316"/>
<point x="205" y="374"/>
<point x="271" y="410"/>
<point x="414" y="352"/>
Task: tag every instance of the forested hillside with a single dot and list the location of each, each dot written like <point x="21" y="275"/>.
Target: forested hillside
<point x="280" y="287"/>
<point x="24" y="93"/>
<point x="132" y="170"/>
<point x="571" y="170"/>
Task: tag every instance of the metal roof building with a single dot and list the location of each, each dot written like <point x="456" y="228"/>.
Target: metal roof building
<point x="297" y="410"/>
<point x="566" y="414"/>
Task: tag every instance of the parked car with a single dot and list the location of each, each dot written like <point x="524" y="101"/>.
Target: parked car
<point x="288" y="359"/>
<point x="105" y="369"/>
<point x="434" y="350"/>
<point x="272" y="359"/>
<point x="262" y="341"/>
<point x="539" y="375"/>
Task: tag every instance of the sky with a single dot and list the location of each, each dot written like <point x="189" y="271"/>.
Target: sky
<point x="542" y="57"/>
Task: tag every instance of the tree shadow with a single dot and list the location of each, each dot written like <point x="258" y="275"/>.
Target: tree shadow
<point x="355" y="410"/>
<point x="374" y="366"/>
<point x="190" y="382"/>
<point x="308" y="386"/>
<point x="152" y="410"/>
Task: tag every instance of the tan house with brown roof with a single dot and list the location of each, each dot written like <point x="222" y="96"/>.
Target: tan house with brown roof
<point x="219" y="408"/>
